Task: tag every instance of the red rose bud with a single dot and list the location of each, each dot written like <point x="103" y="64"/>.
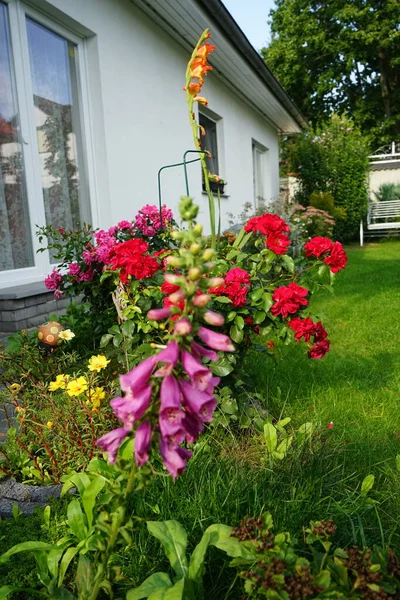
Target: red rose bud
<point x="183" y="327"/>
<point x="216" y="282"/>
<point x="213" y="318"/>
<point x="201" y="300"/>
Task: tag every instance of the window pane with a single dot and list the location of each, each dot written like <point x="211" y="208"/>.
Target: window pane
<point x="54" y="83"/>
<point x="209" y="142"/>
<point x="15" y="236"/>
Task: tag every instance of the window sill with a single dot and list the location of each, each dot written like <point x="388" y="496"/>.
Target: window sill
<point x="221" y="196"/>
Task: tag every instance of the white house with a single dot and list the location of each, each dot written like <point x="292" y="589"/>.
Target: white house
<point x="91" y="106"/>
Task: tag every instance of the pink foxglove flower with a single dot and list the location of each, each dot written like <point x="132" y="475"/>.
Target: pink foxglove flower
<point x="132" y="407"/>
<point x="138" y="377"/>
<point x="200" y="351"/>
<point x="199" y="403"/>
<point x="183" y="327"/>
<point x="169" y="356"/>
<point x="198" y="373"/>
<point x="142" y="443"/>
<point x="174" y="457"/>
<point x="171" y="413"/>
<point x="111" y="441"/>
<point x="217" y="341"/>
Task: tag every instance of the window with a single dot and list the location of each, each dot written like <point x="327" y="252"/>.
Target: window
<point x="210" y="143"/>
<point x="259" y="174"/>
<point x="41" y="152"/>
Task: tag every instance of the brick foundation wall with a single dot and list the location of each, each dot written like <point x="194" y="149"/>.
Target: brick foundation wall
<point x="26" y="306"/>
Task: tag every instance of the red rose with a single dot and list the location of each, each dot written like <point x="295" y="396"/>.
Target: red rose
<point x="320" y="332"/>
<point x="131" y="259"/>
<point x="237" y="276"/>
<point x="303" y="327"/>
<point x="317" y="246"/>
<point x="249" y="320"/>
<point x="288" y="299"/>
<point x="274" y="228"/>
<point x="278" y="243"/>
<point x="181" y="305"/>
<point x="169" y="288"/>
<point x="319" y="349"/>
<point x="337" y="258"/>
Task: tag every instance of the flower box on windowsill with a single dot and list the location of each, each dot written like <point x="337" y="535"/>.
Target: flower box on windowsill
<point x="215" y="187"/>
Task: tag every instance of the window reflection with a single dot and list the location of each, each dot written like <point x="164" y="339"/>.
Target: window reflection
<point x="15" y="235"/>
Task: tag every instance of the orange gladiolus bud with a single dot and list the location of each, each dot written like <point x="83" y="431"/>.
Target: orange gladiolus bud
<point x="201" y="100"/>
<point x="202" y="131"/>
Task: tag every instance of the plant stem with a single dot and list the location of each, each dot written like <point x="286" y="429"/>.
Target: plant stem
<point x="118" y="521"/>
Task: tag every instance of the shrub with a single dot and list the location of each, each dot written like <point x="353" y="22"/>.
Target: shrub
<point x="334" y="159"/>
<point x="388" y="192"/>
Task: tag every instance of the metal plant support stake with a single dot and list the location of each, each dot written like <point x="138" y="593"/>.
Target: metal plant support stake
<point x="184" y="163"/>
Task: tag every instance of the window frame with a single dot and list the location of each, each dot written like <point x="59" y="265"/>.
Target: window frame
<point x="218" y="120"/>
<point x="258" y="150"/>
<point x="18" y="11"/>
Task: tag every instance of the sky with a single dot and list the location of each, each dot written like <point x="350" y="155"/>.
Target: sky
<point x="252" y="17"/>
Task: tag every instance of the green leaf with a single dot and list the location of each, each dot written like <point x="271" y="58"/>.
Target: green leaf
<point x="259" y="317"/>
<point x="6" y="590"/>
<point x="80" y="480"/>
<point x="25" y="547"/>
<point x="173" y="537"/>
<point x="367" y="484"/>
<point x="65" y="562"/>
<point x="117" y="340"/>
<point x="306" y="430"/>
<point x="231" y="254"/>
<point x="173" y="593"/>
<point x="105" y="339"/>
<point x="267" y="301"/>
<point x="288" y="262"/>
<point x="76" y="520"/>
<point x="84" y="576"/>
<point x="244" y="241"/>
<point x="236" y="334"/>
<point x="270" y="437"/>
<point x="157" y="581"/>
<point x="256" y="294"/>
<point x="222" y="300"/>
<point x="114" y="329"/>
<point x="89" y="497"/>
<point x="222" y="370"/>
<point x="282" y="423"/>
<point x="231" y="316"/>
<point x="128" y="328"/>
<point x="219" y="536"/>
<point x="239" y="322"/>
<point x="284" y="446"/>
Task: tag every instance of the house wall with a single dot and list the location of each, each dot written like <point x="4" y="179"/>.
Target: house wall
<point x="139" y="117"/>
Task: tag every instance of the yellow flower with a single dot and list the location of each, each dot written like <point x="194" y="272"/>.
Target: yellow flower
<point x="60" y="383"/>
<point x="14" y="388"/>
<point x="97" y="363"/>
<point x="96" y="396"/>
<point x="66" y="335"/>
<point x="76" y="387"/>
<point x="49" y="424"/>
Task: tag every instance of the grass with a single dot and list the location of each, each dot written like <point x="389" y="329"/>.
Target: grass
<point x="357" y="386"/>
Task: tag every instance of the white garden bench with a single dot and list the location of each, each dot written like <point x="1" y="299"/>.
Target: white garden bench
<point x="381" y="216"/>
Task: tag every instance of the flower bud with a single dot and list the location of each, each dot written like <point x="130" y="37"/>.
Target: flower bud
<point x="198" y="229"/>
<point x="183" y="327"/>
<point x="194" y="274"/>
<point x="216" y="281"/>
<point x="157" y="314"/>
<point x="208" y="254"/>
<point x="175" y="234"/>
<point x="176" y="297"/>
<point x="174" y="279"/>
<point x="213" y="318"/>
<point x="201" y="300"/>
<point x="209" y="266"/>
<point x="174" y="261"/>
<point x="195" y="248"/>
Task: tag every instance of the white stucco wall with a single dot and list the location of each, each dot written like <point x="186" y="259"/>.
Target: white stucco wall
<point x="139" y="117"/>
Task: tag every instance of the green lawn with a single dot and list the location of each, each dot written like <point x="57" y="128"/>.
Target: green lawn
<point x="357" y="386"/>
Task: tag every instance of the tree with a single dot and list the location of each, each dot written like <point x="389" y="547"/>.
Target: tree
<point x="340" y="56"/>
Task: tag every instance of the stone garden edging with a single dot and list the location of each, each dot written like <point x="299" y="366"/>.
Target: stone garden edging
<point x="26" y="497"/>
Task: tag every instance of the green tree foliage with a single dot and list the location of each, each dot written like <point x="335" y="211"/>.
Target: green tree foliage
<point x="341" y="56"/>
<point x="334" y="159"/>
